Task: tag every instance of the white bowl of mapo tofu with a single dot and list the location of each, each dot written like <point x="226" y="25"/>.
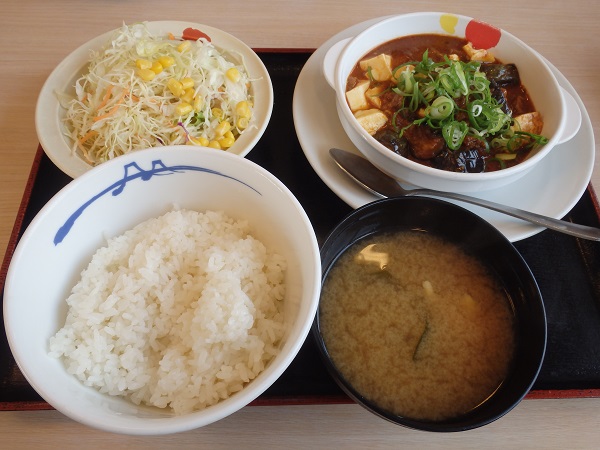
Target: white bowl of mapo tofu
<point x="448" y="102"/>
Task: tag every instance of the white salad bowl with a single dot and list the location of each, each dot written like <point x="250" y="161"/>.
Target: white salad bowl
<point x="114" y="197"/>
<point x="559" y="109"/>
<point x="50" y="115"/>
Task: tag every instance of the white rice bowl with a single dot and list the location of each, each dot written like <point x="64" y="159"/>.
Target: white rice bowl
<point x="221" y="191"/>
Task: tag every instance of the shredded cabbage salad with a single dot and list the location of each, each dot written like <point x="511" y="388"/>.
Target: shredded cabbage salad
<point x="143" y="91"/>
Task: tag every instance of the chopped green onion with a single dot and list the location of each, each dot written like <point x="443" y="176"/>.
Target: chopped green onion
<point x="487" y="116"/>
<point x="539" y="140"/>
<point x="435" y="86"/>
<point x="416" y="97"/>
<point x="506" y="156"/>
<point x="457" y="68"/>
<point x="441" y="108"/>
<point x="454" y="134"/>
<point x="370" y="74"/>
<point x="501" y="162"/>
<point x="521" y="139"/>
<point x="405" y="84"/>
<point x="479" y="83"/>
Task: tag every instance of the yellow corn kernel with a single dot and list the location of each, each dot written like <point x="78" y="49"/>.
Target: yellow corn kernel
<point x="242" y="123"/>
<point x="175" y="87"/>
<point x="202" y="141"/>
<point x="143" y="64"/>
<point x="184" y="46"/>
<point x="233" y="74"/>
<point x="242" y="109"/>
<point x="145" y="74"/>
<point x="226" y="142"/>
<point x="166" y="61"/>
<point x="229" y="135"/>
<point x="214" y="144"/>
<point x="217" y="112"/>
<point x="188" y="95"/>
<point x="222" y="128"/>
<point x="187" y="82"/>
<point x="156" y="67"/>
<point x="198" y="103"/>
<point x="183" y="109"/>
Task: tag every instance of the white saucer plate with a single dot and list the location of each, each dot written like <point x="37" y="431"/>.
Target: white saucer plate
<point x="552" y="188"/>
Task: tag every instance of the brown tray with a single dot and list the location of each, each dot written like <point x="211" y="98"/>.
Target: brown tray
<point x="567" y="269"/>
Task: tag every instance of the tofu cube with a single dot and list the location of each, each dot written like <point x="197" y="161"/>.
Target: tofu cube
<point x="373" y="96"/>
<point x="478" y="54"/>
<point x="380" y="67"/>
<point x="356" y="96"/>
<point x="530" y="122"/>
<point x="371" y="119"/>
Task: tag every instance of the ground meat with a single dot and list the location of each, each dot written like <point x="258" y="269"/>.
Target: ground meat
<point x="390" y="101"/>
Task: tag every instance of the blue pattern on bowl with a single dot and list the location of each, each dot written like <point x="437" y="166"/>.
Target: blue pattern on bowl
<point x="158" y="169"/>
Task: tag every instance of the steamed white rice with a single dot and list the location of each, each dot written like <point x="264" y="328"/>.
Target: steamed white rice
<point x="181" y="312"/>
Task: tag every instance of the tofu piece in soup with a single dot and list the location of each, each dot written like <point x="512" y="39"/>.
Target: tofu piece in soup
<point x="356" y="96"/>
<point x="380" y="67"/>
<point x="371" y="120"/>
<point x="529" y="122"/>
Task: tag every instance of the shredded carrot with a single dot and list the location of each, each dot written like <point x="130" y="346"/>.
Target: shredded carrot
<point x="113" y="109"/>
<point x="86" y="136"/>
<point x="105" y="98"/>
<point x="171" y="37"/>
<point x="85" y="153"/>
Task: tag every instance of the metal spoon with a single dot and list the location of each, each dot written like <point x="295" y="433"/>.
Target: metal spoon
<point x="382" y="185"/>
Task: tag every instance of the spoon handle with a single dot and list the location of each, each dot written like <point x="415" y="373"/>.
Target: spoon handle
<point x="581" y="231"/>
<point x="382" y="185"/>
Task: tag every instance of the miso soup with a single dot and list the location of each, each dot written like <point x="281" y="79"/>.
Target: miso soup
<point x="416" y="325"/>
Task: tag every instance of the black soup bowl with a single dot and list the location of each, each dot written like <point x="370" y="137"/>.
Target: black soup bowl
<point x="458" y="226"/>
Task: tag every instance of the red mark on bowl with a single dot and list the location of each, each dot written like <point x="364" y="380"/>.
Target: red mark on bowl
<point x="192" y="34"/>
<point x="482" y="35"/>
